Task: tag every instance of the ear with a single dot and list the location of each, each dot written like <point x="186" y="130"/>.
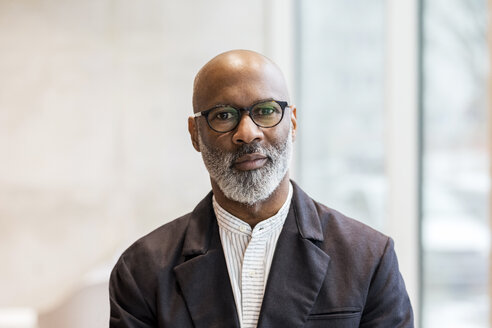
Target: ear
<point x="193" y="130"/>
<point x="293" y="119"/>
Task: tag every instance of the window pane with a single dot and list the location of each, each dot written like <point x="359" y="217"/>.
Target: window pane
<point x="340" y="145"/>
<point x="455" y="164"/>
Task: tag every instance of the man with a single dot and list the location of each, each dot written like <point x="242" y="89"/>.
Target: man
<point x="257" y="251"/>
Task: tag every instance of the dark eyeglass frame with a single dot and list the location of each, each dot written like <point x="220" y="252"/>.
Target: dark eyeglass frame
<point x="282" y="104"/>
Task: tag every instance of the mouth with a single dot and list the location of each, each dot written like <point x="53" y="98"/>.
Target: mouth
<point x="250" y="162"/>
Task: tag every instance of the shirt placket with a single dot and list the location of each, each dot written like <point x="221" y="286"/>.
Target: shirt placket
<point x="252" y="280"/>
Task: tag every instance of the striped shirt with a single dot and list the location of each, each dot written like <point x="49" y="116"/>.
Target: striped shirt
<point x="248" y="254"/>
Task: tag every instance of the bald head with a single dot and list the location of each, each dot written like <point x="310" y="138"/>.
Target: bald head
<point x="238" y="77"/>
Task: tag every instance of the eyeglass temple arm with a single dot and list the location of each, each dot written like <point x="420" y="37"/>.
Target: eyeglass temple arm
<point x="197" y="114"/>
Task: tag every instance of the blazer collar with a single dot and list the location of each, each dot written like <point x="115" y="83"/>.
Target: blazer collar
<point x="203" y="277"/>
<point x="202" y="220"/>
<point x="200" y="228"/>
<point x="306" y="217"/>
<point x="298" y="268"/>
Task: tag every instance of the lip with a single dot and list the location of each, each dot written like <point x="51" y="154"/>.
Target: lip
<point x="250" y="162"/>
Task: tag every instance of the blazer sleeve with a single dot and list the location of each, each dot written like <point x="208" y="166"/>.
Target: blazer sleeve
<point x="387" y="303"/>
<point x="129" y="308"/>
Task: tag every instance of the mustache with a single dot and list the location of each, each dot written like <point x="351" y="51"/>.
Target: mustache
<point x="248" y="149"/>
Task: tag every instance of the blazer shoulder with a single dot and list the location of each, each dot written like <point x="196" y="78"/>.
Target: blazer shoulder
<point x="341" y="231"/>
<point x="158" y="247"/>
<point x="336" y="230"/>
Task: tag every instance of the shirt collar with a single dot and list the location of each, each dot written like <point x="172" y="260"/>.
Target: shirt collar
<point x="235" y="225"/>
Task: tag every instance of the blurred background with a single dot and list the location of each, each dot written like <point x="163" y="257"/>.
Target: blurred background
<point x="393" y="111"/>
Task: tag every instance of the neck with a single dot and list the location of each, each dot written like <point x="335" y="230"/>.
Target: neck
<point x="262" y="210"/>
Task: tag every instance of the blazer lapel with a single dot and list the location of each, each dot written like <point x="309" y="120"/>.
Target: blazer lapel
<point x="298" y="267"/>
<point x="203" y="277"/>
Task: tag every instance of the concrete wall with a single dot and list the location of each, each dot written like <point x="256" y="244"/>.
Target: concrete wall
<point x="85" y="308"/>
<point x="94" y="149"/>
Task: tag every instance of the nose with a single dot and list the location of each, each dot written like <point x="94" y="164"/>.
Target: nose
<point x="247" y="131"/>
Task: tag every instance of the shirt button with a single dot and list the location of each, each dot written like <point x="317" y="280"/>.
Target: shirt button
<point x="243" y="229"/>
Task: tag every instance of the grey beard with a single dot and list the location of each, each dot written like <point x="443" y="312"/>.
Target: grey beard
<point x="248" y="187"/>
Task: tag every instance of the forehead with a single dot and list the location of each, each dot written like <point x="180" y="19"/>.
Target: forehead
<point x="238" y="82"/>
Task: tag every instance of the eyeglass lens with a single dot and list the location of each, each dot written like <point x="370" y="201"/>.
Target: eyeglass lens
<point x="226" y="118"/>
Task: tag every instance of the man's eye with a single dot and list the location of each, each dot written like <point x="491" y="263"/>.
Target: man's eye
<point x="224" y="116"/>
<point x="266" y="111"/>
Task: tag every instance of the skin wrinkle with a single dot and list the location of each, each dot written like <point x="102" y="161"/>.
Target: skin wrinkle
<point x="241" y="78"/>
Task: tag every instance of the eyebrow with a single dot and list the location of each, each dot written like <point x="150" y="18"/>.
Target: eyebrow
<point x="236" y="106"/>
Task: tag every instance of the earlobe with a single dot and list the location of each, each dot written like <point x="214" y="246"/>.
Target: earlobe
<point x="193" y="130"/>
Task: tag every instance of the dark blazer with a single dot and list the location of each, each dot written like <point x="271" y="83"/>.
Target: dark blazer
<point x="327" y="271"/>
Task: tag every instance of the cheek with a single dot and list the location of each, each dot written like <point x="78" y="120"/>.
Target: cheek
<point x="215" y="140"/>
<point x="224" y="142"/>
<point x="278" y="134"/>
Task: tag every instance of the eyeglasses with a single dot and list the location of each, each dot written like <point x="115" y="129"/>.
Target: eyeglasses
<point x="225" y="118"/>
